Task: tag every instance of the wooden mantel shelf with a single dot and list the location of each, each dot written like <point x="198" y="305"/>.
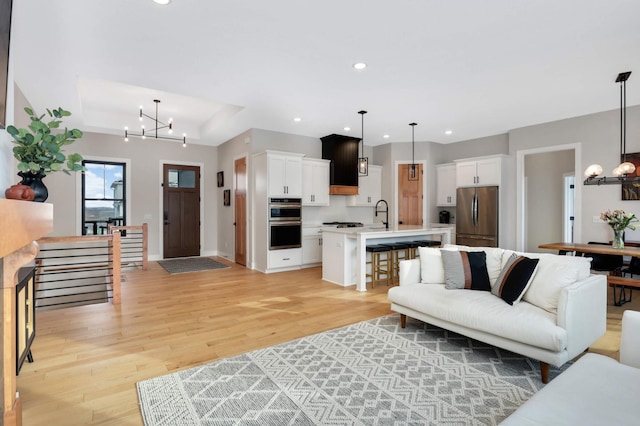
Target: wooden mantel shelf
<point x="21" y="224"/>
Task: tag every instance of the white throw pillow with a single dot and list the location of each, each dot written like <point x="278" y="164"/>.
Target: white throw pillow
<point x="431" y="267"/>
<point x="553" y="274"/>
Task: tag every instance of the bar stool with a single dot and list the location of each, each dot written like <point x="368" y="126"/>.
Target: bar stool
<point x="428" y="243"/>
<point x="397" y="249"/>
<point x="413" y="248"/>
<point x="379" y="266"/>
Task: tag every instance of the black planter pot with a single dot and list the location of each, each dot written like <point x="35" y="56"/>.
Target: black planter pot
<point x="34" y="180"/>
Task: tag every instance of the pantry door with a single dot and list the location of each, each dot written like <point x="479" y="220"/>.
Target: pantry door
<point x="409" y="196"/>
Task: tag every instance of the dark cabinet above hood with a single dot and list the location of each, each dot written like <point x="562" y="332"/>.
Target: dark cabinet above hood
<point x="343" y="153"/>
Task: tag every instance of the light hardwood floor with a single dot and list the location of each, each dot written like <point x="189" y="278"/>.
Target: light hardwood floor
<point x="88" y="359"/>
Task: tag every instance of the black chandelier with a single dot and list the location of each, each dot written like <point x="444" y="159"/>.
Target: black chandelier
<point x="363" y="162"/>
<point x="413" y="170"/>
<point x="624" y="173"/>
<point x="158" y="125"/>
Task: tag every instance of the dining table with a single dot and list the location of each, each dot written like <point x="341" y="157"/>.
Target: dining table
<point x="630" y="250"/>
<point x="624" y="284"/>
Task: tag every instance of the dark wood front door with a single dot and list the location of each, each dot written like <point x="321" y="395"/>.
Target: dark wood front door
<point x="181" y="208"/>
<point x="240" y="217"/>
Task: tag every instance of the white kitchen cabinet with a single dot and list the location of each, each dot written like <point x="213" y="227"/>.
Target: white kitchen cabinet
<point x="446" y="181"/>
<point x="369" y="188"/>
<point x="284" y="175"/>
<point x="485" y="171"/>
<point x="311" y="246"/>
<point x="287" y="258"/>
<point x="315" y="182"/>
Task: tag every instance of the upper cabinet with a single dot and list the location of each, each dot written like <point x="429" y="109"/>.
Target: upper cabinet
<point x="284" y="175"/>
<point x="369" y="188"/>
<point x="486" y="171"/>
<point x="446" y="181"/>
<point x="315" y="182"/>
<point x="342" y="151"/>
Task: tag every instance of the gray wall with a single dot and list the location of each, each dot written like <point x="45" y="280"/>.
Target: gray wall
<point x="145" y="199"/>
<point x="599" y="139"/>
<point x="240" y="146"/>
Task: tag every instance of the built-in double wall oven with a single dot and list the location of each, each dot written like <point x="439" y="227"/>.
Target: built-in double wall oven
<point x="285" y="223"/>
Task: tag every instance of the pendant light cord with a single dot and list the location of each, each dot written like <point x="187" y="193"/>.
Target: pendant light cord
<point x="623" y="120"/>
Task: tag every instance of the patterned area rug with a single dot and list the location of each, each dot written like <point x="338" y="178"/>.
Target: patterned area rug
<point x="190" y="264"/>
<point x="369" y="373"/>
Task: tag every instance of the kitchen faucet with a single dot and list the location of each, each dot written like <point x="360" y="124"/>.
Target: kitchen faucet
<point x="385" y="211"/>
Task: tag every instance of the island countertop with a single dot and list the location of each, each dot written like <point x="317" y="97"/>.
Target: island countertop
<point x="379" y="231"/>
<point x="344" y="249"/>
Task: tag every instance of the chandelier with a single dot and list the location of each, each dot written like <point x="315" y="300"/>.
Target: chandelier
<point x="158" y="125"/>
<point x="624" y="173"/>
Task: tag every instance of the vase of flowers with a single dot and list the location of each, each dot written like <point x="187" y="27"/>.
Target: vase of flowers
<point x="618" y="220"/>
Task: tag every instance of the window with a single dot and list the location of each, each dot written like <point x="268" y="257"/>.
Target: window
<point x="103" y="196"/>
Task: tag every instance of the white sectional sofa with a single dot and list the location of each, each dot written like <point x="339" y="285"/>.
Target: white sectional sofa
<point x="562" y="310"/>
<point x="596" y="390"/>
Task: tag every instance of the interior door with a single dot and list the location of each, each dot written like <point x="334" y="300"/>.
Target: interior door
<point x="240" y="214"/>
<point x="181" y="207"/>
<point x="409" y="196"/>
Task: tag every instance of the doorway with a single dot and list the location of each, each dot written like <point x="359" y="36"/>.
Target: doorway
<point x="240" y="213"/>
<point x="569" y="180"/>
<point x="540" y="174"/>
<point x="181" y="210"/>
<point x="410" y="195"/>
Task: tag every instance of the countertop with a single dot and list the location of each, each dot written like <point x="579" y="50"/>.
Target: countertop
<point x="381" y="231"/>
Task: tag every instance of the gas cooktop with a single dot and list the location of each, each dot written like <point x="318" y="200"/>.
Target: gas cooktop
<point x="344" y="224"/>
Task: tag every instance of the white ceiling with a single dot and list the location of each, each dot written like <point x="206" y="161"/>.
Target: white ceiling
<point x="220" y="67"/>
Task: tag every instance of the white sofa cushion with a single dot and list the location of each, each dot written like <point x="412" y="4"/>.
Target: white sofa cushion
<point x="596" y="390"/>
<point x="553" y="274"/>
<point x="431" y="267"/>
<point x="481" y="310"/>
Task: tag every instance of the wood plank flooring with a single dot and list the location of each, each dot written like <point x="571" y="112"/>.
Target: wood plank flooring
<point x="88" y="358"/>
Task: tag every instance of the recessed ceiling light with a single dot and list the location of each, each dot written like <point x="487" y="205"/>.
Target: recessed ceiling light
<point x="346" y="129"/>
<point x="162" y="1"/>
<point x="359" y="65"/>
<point x="297" y="119"/>
<point x="448" y="132"/>
<point x="385" y="136"/>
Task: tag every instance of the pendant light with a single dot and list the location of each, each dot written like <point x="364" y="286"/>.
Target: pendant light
<point x="624" y="172"/>
<point x="363" y="162"/>
<point x="413" y="170"/>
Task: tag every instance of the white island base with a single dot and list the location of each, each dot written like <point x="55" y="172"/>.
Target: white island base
<point x="344" y="253"/>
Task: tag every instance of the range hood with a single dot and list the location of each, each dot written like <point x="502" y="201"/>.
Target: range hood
<point x="343" y="153"/>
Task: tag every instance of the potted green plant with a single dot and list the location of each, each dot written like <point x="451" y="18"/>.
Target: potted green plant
<point x="39" y="150"/>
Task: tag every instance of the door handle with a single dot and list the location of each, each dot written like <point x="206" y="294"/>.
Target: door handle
<point x="165" y="217"/>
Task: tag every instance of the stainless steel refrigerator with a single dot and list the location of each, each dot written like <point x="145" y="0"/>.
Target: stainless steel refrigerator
<point x="477" y="216"/>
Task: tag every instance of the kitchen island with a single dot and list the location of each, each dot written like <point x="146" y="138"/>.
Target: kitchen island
<point x="344" y="253"/>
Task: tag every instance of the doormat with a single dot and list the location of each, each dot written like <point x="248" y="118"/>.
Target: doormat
<point x="190" y="264"/>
